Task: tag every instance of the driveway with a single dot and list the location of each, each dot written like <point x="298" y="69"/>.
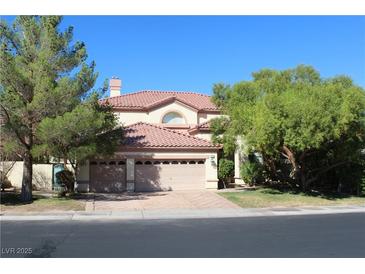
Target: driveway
<point x="201" y="199"/>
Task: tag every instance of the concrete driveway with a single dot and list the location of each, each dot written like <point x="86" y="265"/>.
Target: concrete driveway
<point x="195" y="199"/>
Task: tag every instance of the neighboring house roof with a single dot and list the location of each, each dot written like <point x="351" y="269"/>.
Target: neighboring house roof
<point x="149" y="99"/>
<point x="144" y="135"/>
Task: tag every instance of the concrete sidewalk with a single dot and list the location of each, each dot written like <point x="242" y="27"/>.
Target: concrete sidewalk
<point x="183" y="213"/>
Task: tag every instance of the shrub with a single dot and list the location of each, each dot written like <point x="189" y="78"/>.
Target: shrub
<point x="360" y="183"/>
<point x="61" y="193"/>
<point x="225" y="169"/>
<point x="66" y="179"/>
<point x="251" y="172"/>
<point x="4" y="181"/>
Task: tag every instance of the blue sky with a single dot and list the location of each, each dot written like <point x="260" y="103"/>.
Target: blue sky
<point x="192" y="53"/>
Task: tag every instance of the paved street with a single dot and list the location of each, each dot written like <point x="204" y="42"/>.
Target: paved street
<point x="335" y="235"/>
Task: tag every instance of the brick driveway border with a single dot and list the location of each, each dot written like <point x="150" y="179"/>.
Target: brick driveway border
<point x="194" y="199"/>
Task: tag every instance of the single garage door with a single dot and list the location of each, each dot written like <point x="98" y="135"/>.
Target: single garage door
<point x="152" y="175"/>
<point x="107" y="176"/>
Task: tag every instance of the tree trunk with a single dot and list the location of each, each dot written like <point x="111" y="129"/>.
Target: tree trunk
<point x="291" y="157"/>
<point x="298" y="168"/>
<point x="65" y="163"/>
<point x="26" y="194"/>
<point x="303" y="180"/>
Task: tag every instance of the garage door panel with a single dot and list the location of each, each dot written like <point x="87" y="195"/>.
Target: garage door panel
<point x="148" y="178"/>
<point x="107" y="178"/>
<point x="170" y="176"/>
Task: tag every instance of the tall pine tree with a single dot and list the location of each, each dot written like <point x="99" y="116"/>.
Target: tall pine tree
<point x="43" y="75"/>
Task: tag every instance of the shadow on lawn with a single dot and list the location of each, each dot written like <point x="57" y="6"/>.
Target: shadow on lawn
<point x="13" y="198"/>
<point x="272" y="190"/>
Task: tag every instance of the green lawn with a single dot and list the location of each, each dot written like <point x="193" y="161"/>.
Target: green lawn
<point x="10" y="202"/>
<point x="266" y="197"/>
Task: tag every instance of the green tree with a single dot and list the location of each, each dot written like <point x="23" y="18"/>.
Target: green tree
<point x="87" y="130"/>
<point x="316" y="124"/>
<point x="43" y="75"/>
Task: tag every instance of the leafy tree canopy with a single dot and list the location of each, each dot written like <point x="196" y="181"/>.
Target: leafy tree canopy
<point x="293" y="113"/>
<point x="89" y="129"/>
<point x="45" y="84"/>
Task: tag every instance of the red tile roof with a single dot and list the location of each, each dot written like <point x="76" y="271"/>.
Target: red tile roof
<point x="148" y="99"/>
<point x="205" y="125"/>
<point x="144" y="135"/>
<point x="200" y="127"/>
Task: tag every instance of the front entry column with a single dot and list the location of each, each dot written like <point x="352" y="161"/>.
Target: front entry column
<point x="211" y="172"/>
<point x="130" y="175"/>
<point x="239" y="158"/>
<point x="237" y="162"/>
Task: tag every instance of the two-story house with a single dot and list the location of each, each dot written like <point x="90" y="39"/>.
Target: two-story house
<point x="166" y="144"/>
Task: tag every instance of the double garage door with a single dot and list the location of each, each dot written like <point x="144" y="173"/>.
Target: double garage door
<point x="150" y="175"/>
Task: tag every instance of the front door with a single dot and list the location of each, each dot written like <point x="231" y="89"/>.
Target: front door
<point x="56" y="184"/>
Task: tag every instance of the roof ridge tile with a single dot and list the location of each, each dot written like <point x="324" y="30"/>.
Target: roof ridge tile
<point x="146" y="99"/>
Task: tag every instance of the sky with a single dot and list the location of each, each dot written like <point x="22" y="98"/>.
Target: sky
<point x="191" y="53"/>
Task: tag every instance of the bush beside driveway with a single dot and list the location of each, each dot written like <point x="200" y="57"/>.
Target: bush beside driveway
<point x="267" y="197"/>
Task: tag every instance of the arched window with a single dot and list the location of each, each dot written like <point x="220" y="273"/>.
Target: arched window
<point x="183" y="162"/>
<point x="156" y="162"/>
<point x="112" y="163"/>
<point x="174" y="162"/>
<point x="93" y="163"/>
<point x="191" y="162"/>
<point x="139" y="163"/>
<point x="173" y="118"/>
<point x="122" y="163"/>
<point x="201" y="162"/>
<point x="148" y="163"/>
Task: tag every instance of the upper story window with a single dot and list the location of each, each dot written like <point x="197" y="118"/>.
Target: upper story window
<point x="173" y="118"/>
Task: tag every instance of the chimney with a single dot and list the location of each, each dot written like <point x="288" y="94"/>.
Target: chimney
<point x="115" y="85"/>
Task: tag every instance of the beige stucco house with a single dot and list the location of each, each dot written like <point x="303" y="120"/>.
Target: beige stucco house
<point x="166" y="147"/>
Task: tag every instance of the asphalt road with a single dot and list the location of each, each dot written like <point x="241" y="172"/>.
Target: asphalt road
<point x="335" y="235"/>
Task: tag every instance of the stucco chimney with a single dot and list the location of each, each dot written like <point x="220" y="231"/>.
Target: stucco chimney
<point x="115" y="85"/>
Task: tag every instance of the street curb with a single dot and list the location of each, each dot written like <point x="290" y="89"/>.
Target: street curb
<point x="185" y="213"/>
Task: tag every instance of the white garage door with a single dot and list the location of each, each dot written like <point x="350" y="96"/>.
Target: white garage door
<point x="152" y="175"/>
<point x="107" y="176"/>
